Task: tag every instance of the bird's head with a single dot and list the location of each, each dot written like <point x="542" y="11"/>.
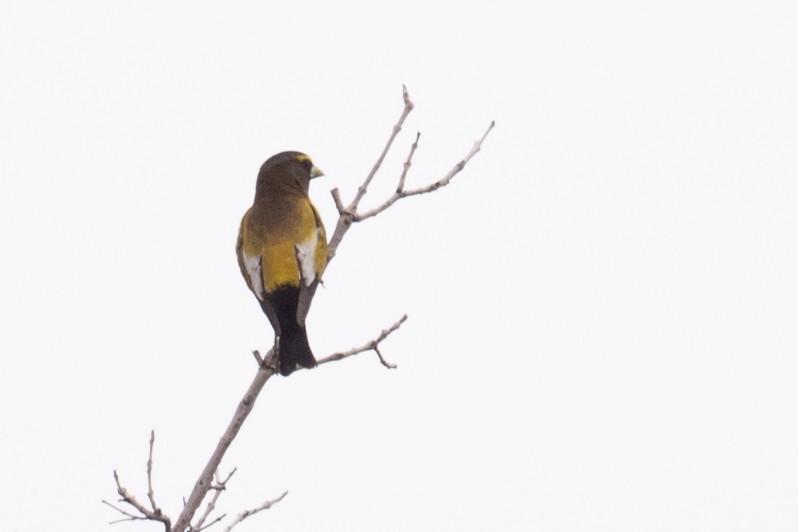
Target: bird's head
<point x="289" y="170"/>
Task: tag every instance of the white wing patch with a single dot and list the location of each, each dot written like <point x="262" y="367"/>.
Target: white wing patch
<point x="252" y="265"/>
<point x="306" y="257"/>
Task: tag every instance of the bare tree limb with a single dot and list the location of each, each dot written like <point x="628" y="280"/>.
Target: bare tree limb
<point x="203" y="483"/>
<point x="247" y="513"/>
<point x="442" y="182"/>
<point x="373" y="345"/>
<point x="145" y="513"/>
<point x="265" y="371"/>
<point x="347" y="214"/>
<point x="362" y="189"/>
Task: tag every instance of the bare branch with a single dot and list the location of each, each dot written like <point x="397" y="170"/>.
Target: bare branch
<point x="347" y="214"/>
<point x="150" y="493"/>
<point x="203" y="483"/>
<point x="130" y="517"/>
<point x="455" y="170"/>
<point x="401" y="186"/>
<point x="362" y="189"/>
<point x="442" y="182"/>
<point x="216" y="520"/>
<point x="145" y="513"/>
<point x="247" y="513"/>
<point x="369" y="346"/>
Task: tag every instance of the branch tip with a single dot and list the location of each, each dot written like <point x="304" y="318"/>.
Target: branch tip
<point x="338" y="203"/>
<point x="406" y="97"/>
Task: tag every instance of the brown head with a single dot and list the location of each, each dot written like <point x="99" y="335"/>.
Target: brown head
<point x="289" y="171"/>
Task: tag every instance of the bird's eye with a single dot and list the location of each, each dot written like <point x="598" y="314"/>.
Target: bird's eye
<point x="305" y="160"/>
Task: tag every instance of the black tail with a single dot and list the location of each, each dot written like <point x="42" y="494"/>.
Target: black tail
<point x="294" y="349"/>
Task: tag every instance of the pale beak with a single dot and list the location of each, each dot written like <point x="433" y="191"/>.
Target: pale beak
<point x="315" y="172"/>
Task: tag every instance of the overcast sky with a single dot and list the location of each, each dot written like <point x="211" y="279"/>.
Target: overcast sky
<point x="602" y="305"/>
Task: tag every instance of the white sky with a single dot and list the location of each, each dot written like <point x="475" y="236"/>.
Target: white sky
<point x="603" y="305"/>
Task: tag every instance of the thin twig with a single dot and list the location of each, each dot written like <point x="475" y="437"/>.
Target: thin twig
<point x="362" y="189"/>
<point x="247" y="513"/>
<point x="408" y="162"/>
<point x="150" y="493"/>
<point x="216" y="520"/>
<point x="369" y="346"/>
<point x="130" y="517"/>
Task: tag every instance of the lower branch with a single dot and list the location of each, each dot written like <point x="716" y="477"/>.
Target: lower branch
<point x="373" y="345"/>
<point x="266" y="368"/>
<point x="203" y="483"/>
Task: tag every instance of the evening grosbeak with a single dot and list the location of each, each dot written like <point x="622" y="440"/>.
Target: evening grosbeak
<point x="282" y="249"/>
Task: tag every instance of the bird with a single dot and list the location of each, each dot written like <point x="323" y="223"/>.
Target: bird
<point x="282" y="250"/>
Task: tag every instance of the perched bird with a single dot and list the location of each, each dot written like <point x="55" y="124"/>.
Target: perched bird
<point x="282" y="249"/>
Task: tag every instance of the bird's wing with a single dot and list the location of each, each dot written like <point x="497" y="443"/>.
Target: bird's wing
<point x="320" y="256"/>
<point x="250" y="266"/>
<point x="312" y="258"/>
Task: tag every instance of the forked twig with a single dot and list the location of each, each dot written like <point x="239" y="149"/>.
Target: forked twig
<point x="145" y="514"/>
